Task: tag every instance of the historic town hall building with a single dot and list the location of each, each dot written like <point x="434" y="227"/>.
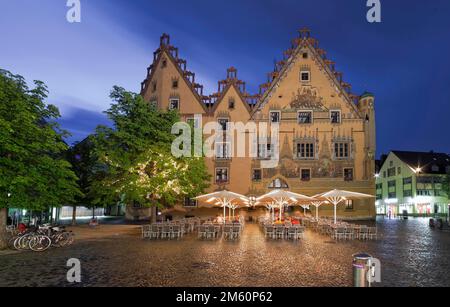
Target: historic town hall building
<point x="327" y="134"/>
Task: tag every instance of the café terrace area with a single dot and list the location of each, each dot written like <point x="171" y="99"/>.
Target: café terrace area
<point x="276" y="224"/>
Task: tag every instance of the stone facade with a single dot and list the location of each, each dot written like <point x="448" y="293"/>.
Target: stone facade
<point x="327" y="134"/>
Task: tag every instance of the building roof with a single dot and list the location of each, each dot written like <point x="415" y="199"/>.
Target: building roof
<point x="429" y="162"/>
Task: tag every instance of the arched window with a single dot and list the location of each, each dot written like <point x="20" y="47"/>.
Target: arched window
<point x="278" y="184"/>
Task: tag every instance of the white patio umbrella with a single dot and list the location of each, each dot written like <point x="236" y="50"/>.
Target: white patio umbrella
<point x="337" y="196"/>
<point x="225" y="199"/>
<point x="283" y="198"/>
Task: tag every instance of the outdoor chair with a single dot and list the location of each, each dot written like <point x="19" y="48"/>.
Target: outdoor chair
<point x="349" y="233"/>
<point x="210" y="232"/>
<point x="175" y="232"/>
<point x="299" y="231"/>
<point x="217" y="230"/>
<point x="292" y="233"/>
<point x="166" y="231"/>
<point x="236" y="231"/>
<point x="227" y="231"/>
<point x="146" y="231"/>
<point x="363" y="233"/>
<point x="372" y="233"/>
<point x="154" y="232"/>
<point x="339" y="233"/>
<point x="202" y="231"/>
<point x="269" y="231"/>
<point x="279" y="232"/>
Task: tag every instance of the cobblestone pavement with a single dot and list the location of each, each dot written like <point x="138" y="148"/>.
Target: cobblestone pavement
<point x="411" y="255"/>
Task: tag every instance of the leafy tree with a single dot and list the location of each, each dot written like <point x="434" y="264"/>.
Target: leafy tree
<point x="137" y="159"/>
<point x="33" y="172"/>
<point x="84" y="162"/>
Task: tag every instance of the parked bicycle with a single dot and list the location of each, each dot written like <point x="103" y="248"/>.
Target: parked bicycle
<point x="41" y="238"/>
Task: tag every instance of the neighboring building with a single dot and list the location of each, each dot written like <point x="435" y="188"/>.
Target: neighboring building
<point x="412" y="182"/>
<point x="327" y="134"/>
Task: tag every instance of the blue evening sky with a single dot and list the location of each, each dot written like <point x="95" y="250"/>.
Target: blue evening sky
<point x="404" y="60"/>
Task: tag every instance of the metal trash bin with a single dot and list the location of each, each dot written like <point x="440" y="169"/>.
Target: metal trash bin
<point x="361" y="269"/>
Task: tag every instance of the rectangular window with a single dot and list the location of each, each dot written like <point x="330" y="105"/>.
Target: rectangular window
<point x="193" y="122"/>
<point x="174" y="84"/>
<point x="305" y="175"/>
<point x="341" y="150"/>
<point x="391" y="184"/>
<point x="379" y="196"/>
<point x="223" y="122"/>
<point x="275" y="116"/>
<point x="223" y="150"/>
<point x="305" y="117"/>
<point x="392" y="195"/>
<point x="379" y="186"/>
<point x="391" y="172"/>
<point x="222" y="175"/>
<point x="264" y="151"/>
<point x="257" y="175"/>
<point x="348" y="174"/>
<point x="407" y="180"/>
<point x="407" y="193"/>
<point x="305" y="76"/>
<point x="305" y="151"/>
<point x="154" y="86"/>
<point x="189" y="202"/>
<point x="335" y="117"/>
<point x="349" y="204"/>
<point x="231" y="104"/>
<point x="174" y="104"/>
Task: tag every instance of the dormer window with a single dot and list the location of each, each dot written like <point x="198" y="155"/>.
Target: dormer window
<point x="174" y="104"/>
<point x="305" y="55"/>
<point x="305" y="76"/>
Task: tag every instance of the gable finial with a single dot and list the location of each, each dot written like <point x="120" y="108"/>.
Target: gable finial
<point x="305" y="32"/>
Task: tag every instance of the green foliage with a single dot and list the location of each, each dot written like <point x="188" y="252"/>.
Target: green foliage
<point x="33" y="171"/>
<point x="446" y="185"/>
<point x="138" y="166"/>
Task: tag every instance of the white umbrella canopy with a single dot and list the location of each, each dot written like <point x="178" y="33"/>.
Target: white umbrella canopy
<point x="337" y="196"/>
<point x="269" y="205"/>
<point x="282" y="198"/>
<point x="225" y="199"/>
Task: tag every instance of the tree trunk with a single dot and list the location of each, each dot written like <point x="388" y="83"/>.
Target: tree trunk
<point x="3" y="234"/>
<point x="74" y="215"/>
<point x="154" y="211"/>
